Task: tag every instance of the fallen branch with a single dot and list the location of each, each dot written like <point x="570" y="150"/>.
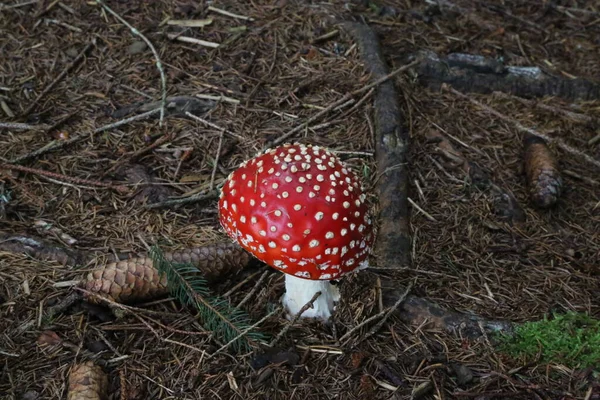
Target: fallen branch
<point x="477" y="74"/>
<point x="61" y="177"/>
<point x="392" y="248"/>
<point x="391" y="149"/>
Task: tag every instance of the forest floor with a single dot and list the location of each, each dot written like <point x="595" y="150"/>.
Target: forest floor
<point x="279" y="63"/>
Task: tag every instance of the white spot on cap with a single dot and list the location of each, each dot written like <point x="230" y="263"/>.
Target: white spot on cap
<point x="296" y="247"/>
<point x="261" y="249"/>
<point x="311" y="195"/>
<point x="262" y="232"/>
<point x="253" y="220"/>
<point x="275" y="185"/>
<point x="303" y="274"/>
<point x="329" y="235"/>
<point x="301" y="179"/>
<point x="263" y="204"/>
<point x="346" y="204"/>
<point x="344" y="232"/>
<point x="319" y="216"/>
<point x="335" y="216"/>
<point x="286" y="236"/>
<point x="285" y="195"/>
<point x="297" y="207"/>
<point x="277" y="213"/>
<point x="234" y="207"/>
<point x="344" y="251"/>
<point x="313" y="243"/>
<point x="243" y="219"/>
<point x="225" y="204"/>
<point x="272" y="245"/>
<point x="320" y="178"/>
<point x="273" y="228"/>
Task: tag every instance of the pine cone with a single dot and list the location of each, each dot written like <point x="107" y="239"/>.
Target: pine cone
<point x="543" y="177"/>
<point x="215" y="262"/>
<point x="87" y="381"/>
<point x="126" y="281"/>
<point x="136" y="279"/>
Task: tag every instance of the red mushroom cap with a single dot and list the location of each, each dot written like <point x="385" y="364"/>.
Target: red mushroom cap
<point x="300" y="210"/>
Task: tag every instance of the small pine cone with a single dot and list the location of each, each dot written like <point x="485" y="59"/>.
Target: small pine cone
<point x="215" y="262"/>
<point x="126" y="281"/>
<point x="543" y="177"/>
<point x="87" y="382"/>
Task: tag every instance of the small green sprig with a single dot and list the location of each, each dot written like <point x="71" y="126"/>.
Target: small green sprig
<point x="187" y="285"/>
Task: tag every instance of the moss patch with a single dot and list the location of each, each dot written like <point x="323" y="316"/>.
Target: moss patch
<point x="571" y="339"/>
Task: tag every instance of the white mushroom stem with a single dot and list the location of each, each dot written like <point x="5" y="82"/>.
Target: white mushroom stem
<point x="300" y="291"/>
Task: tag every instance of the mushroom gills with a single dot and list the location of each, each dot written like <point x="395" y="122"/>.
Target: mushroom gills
<point x="299" y="291"/>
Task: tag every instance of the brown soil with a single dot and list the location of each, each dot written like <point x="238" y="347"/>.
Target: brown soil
<point x="273" y="75"/>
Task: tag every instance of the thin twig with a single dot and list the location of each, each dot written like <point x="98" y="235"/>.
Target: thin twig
<point x="242" y="283"/>
<point x="296" y="318"/>
<point x="244" y="332"/>
<point x="22" y="126"/>
<point x="425" y="213"/>
<point x="58" y="144"/>
<point x="523" y="128"/>
<point x="229" y="14"/>
<point x="118" y="188"/>
<point x="385" y="314"/>
<point x="127" y="120"/>
<point x="214" y="171"/>
<point x="60" y="76"/>
<point x="341" y="101"/>
<point x="208" y="123"/>
<point x="188" y="39"/>
<point x="254" y="289"/>
<point x="158" y="142"/>
<point x="186" y="200"/>
<point x="159" y="66"/>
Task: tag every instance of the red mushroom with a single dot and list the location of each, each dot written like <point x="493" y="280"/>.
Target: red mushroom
<point x="300" y="210"/>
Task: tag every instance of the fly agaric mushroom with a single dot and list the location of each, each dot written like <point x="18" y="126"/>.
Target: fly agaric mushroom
<point x="300" y="210"/>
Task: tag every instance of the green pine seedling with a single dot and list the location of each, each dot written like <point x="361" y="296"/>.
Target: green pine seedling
<point x="186" y="284"/>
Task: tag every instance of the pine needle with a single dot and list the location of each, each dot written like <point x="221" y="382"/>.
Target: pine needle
<point x="228" y="323"/>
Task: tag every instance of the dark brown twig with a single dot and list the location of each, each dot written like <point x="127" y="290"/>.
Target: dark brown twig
<point x="295" y="319"/>
<point x="54" y="175"/>
<point x="391" y="147"/>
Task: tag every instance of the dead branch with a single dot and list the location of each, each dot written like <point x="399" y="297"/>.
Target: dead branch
<point x="474" y="73"/>
<point x="391" y="148"/>
<point x="393" y="242"/>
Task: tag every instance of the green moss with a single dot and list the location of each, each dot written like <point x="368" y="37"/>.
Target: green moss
<point x="571" y="339"/>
